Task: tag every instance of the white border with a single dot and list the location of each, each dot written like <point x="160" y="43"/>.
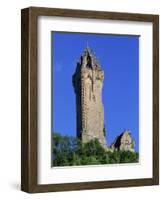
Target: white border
<point x="48" y="175"/>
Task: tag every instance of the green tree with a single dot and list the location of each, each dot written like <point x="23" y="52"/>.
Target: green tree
<point x="69" y="151"/>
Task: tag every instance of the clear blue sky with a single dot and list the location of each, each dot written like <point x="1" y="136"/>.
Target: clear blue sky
<point x="119" y="58"/>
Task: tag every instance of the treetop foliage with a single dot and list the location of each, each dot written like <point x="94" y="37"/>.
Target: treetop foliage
<point x="70" y="151"/>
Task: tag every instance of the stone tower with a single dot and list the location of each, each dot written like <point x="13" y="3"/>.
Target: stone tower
<point x="88" y="82"/>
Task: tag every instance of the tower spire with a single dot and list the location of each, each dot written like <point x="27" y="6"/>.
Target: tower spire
<point x="88" y="58"/>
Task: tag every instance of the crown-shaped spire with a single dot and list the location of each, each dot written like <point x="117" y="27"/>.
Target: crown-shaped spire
<point x="88" y="59"/>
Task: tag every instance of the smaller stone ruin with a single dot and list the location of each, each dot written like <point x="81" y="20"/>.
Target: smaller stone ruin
<point x="123" y="142"/>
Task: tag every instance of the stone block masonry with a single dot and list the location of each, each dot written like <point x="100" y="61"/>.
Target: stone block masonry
<point x="88" y="82"/>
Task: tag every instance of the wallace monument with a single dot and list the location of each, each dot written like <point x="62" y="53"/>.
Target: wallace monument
<point x="88" y="83"/>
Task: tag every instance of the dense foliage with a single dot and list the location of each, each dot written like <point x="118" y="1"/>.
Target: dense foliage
<point x="69" y="151"/>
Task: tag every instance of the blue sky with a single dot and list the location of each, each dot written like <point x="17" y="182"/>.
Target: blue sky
<point x="119" y="58"/>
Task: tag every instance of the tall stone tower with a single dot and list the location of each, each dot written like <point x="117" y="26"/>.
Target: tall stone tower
<point x="88" y="82"/>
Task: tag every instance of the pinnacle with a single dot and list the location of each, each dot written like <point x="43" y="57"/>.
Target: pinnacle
<point x="88" y="54"/>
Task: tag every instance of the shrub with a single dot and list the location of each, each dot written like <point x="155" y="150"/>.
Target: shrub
<point x="69" y="151"/>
